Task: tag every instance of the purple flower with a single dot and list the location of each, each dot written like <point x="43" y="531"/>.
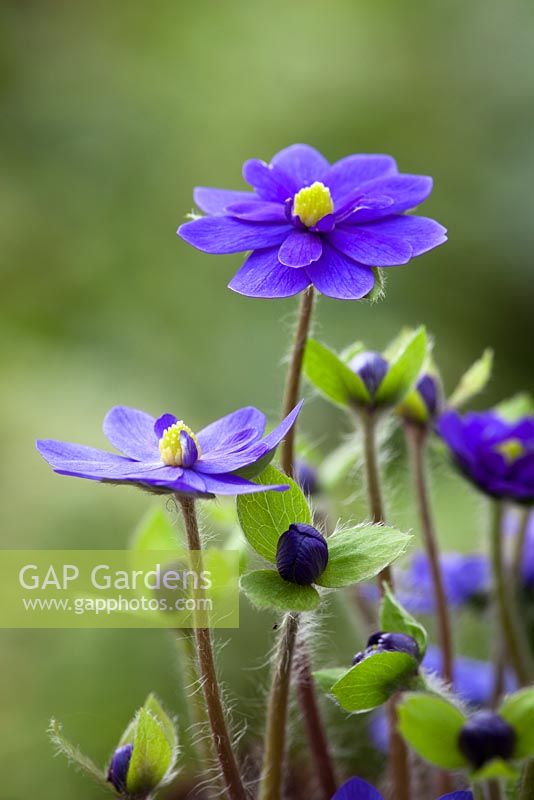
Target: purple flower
<point x="307" y="477"/>
<point x="309" y="222"/>
<point x="429" y="389"/>
<point x="495" y="454"/>
<point x="391" y="642"/>
<point x="118" y="768"/>
<point x="465" y="577"/>
<point x="165" y="455"/>
<point x="357" y="789"/>
<point x="302" y="554"/>
<point x="486" y="736"/>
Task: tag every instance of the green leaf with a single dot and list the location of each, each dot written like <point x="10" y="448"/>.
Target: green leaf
<point x="403" y="370"/>
<point x="155" y="532"/>
<point x="371" y="682"/>
<point x="326" y="678"/>
<point x="520" y="405"/>
<point x="152" y="755"/>
<point x="351" y="352"/>
<point x="518" y="711"/>
<point x="266" y="589"/>
<point x="332" y="377"/>
<point x="153" y="705"/>
<point x="414" y="408"/>
<point x="74" y="755"/>
<point x="265" y="516"/>
<point x="361" y="553"/>
<point x="495" y="769"/>
<point x="473" y="381"/>
<point x="431" y="726"/>
<point x="395" y="619"/>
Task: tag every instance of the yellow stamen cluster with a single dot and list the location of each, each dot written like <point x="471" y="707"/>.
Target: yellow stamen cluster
<point x="313" y="203"/>
<point x="511" y="449"/>
<point x="169" y="445"/>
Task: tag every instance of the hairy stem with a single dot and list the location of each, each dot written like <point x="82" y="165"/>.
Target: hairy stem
<point x="519" y="547"/>
<point x="373" y="481"/>
<point x="294" y="373"/>
<point x="275" y="735"/>
<point x="310" y="710"/>
<point x="494" y="790"/>
<point x="526" y="791"/>
<point x="505" y="605"/>
<point x="416" y="437"/>
<point x="478" y="791"/>
<point x="398" y="753"/>
<point x="208" y="675"/>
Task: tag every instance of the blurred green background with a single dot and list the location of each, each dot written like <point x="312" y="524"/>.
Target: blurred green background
<point x="111" y="113"/>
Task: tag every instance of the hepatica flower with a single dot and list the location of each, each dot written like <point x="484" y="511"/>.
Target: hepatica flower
<point x="357" y="789"/>
<point x="312" y="223"/>
<point x="495" y="454"/>
<point x="165" y="455"/>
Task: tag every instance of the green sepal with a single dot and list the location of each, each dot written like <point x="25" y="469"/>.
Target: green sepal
<point x="266" y="589"/>
<point x="414" y="408"/>
<point x="361" y="553"/>
<point x="395" y="619"/>
<point x="152" y="756"/>
<point x="352" y="351"/>
<point x="518" y="710"/>
<point x="326" y="678"/>
<point x="378" y="292"/>
<point x="496" y="769"/>
<point x="520" y="405"/>
<point x="265" y="516"/>
<point x="473" y="381"/>
<point x="431" y="725"/>
<point x="74" y="755"/>
<point x="404" y="368"/>
<point x="374" y="680"/>
<point x="332" y="377"/>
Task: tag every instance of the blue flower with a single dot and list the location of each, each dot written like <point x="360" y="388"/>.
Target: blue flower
<point x="118" y="768"/>
<point x="486" y="736"/>
<point x="165" y="455"/>
<point x="357" y="789"/>
<point x="495" y="454"/>
<point x="312" y="223"/>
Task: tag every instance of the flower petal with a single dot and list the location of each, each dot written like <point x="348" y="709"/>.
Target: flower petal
<point x="336" y="275"/>
<point x="234" y="485"/>
<point x="221" y="235"/>
<point x="300" y="249"/>
<point x="223" y="461"/>
<point x="132" y="432"/>
<point x="357" y="789"/>
<point x="421" y="233"/>
<point x="258" y="211"/>
<point x="262" y="275"/>
<point x="370" y="247"/>
<point x="269" y="182"/>
<point x="214" y="201"/>
<point x="87" y="462"/>
<point x="162" y="423"/>
<point x="304" y="164"/>
<point x="407" y="192"/>
<point x="222" y="432"/>
<point x="347" y="175"/>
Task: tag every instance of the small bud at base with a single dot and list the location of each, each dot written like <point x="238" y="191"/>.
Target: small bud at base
<point x="302" y="554"/>
<point x="118" y="768"/>
<point x="372" y="369"/>
<point x="486" y="736"/>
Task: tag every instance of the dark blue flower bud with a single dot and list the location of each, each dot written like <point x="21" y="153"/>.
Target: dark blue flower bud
<point x="306" y="477"/>
<point x="395" y="643"/>
<point x="302" y="554"/>
<point x="486" y="736"/>
<point x="392" y="642"/>
<point x="430" y="392"/>
<point x="118" y="769"/>
<point x="372" y="369"/>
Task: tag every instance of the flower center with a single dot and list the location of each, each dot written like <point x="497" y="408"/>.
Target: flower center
<point x="179" y="446"/>
<point x="312" y="204"/>
<point x="511" y="449"/>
